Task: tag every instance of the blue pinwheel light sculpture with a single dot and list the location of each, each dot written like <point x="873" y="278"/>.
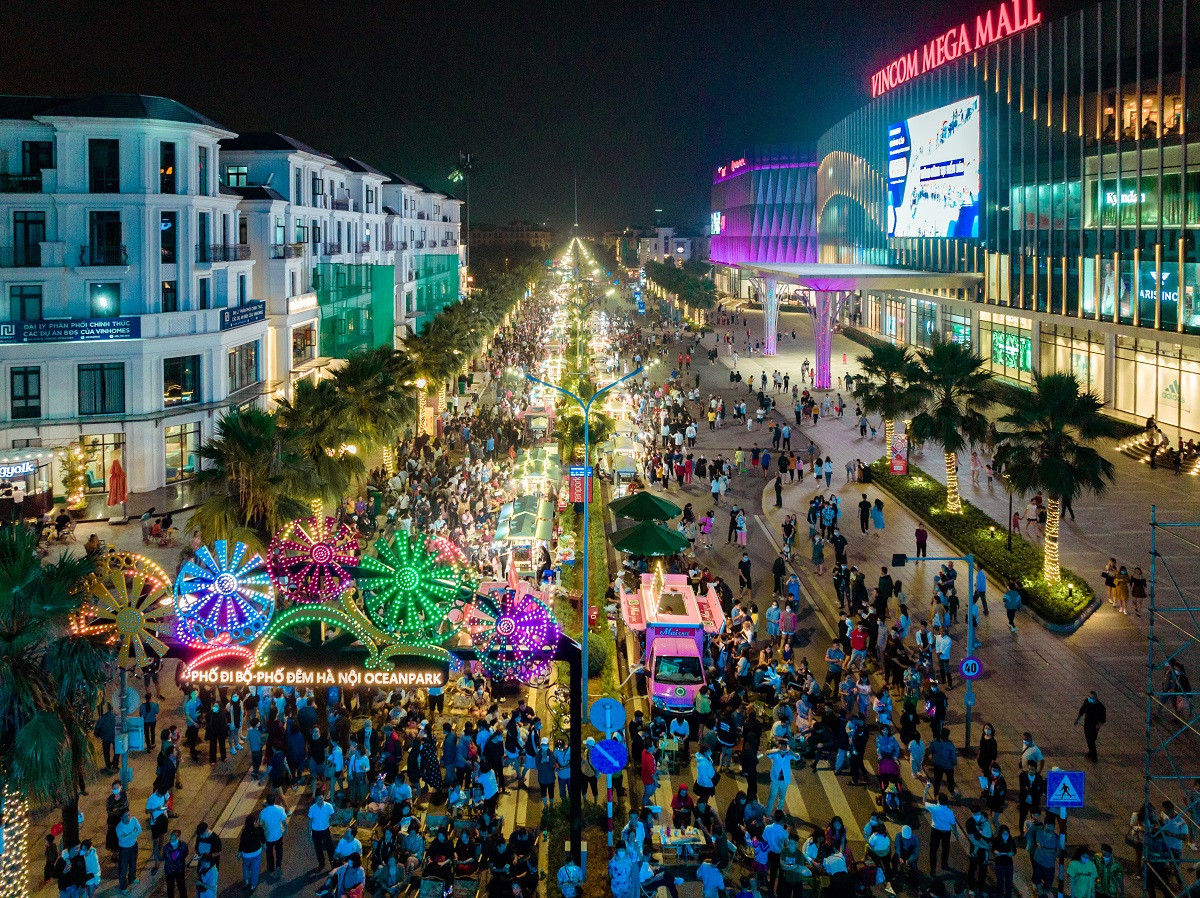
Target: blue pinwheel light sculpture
<point x="223" y="596"/>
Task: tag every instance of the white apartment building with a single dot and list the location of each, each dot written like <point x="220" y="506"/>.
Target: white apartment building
<point x="662" y="244"/>
<point x="158" y="269"/>
<point x="128" y="318"/>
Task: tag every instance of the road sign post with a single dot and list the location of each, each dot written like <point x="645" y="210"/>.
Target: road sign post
<point x="1064" y="789"/>
<point x="609" y="757"/>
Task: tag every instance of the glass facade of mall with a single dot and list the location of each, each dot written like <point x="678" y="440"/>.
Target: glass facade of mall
<point x="1085" y="221"/>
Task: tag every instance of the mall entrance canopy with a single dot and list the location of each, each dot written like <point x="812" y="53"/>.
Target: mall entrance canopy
<point x="825" y="286"/>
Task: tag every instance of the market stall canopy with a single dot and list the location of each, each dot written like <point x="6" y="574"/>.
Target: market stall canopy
<point x="528" y="519"/>
<point x="625" y="466"/>
<point x="539" y="462"/>
<point x="645" y="506"/>
<point x="649" y="539"/>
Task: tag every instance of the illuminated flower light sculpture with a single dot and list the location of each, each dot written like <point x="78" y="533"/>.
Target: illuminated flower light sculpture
<point x="447" y="551"/>
<point x="514" y="634"/>
<point x="408" y="593"/>
<point x="223" y="601"/>
<point x="312" y="560"/>
<point x="128" y="597"/>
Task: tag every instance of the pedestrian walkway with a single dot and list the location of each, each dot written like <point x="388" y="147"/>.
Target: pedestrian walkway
<point x="205" y="794"/>
<point x="1036" y="680"/>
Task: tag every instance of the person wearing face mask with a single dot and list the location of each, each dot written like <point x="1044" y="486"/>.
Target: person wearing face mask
<point x="207" y="874"/>
<point x="1110" y="875"/>
<point x="156" y="814"/>
<point x="91" y="865"/>
<point x="175" y="855"/>
<point x="1004" y="850"/>
<point x="1093" y="714"/>
<point x="116" y="804"/>
<point x="989" y="749"/>
<point x="218" y="733"/>
<point x="128" y="830"/>
<point x="1030" y="794"/>
<point x="234" y="711"/>
<point x="1082" y="874"/>
<point x="995" y="792"/>
<point x="979" y="845"/>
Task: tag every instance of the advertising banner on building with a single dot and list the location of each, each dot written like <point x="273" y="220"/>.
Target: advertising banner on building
<point x="898" y="454"/>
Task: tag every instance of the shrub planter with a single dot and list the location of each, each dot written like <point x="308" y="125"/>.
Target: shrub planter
<point x="1057" y="608"/>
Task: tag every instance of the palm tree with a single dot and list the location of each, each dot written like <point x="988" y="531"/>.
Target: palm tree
<point x="51" y="676"/>
<point x="255" y="474"/>
<point x="959" y="391"/>
<point x="1047" y="449"/>
<point x="892" y="387"/>
<point x="372" y="397"/>
<point x="314" y="419"/>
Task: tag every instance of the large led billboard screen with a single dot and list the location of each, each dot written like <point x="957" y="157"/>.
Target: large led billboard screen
<point x="933" y="173"/>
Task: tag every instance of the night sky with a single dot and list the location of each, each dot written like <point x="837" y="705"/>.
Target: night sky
<point x="641" y="99"/>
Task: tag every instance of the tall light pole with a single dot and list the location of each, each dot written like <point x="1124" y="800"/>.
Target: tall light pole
<point x="586" y="408"/>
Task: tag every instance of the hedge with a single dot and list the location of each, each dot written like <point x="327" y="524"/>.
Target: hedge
<point x="971" y="532"/>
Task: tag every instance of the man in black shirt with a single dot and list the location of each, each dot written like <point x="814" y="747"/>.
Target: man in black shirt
<point x="864" y="513"/>
<point x="779" y="572"/>
<point x="744" y="583"/>
<point x="733" y="513"/>
<point x="1094" y="715"/>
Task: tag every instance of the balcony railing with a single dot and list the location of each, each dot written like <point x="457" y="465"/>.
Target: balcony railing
<point x="390" y="246"/>
<point x="222" y="252"/>
<point x="104" y="255"/>
<point x="331" y="249"/>
<point x="21" y="257"/>
<point x="342" y="204"/>
<point x="15" y="183"/>
<point x="446" y="242"/>
<point x="418" y="244"/>
<point x="424" y="216"/>
<point x="402" y="245"/>
<point x="287" y="250"/>
<point x="364" y="246"/>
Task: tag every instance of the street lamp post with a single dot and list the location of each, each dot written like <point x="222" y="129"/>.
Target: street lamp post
<point x="900" y="560"/>
<point x="586" y="408"/>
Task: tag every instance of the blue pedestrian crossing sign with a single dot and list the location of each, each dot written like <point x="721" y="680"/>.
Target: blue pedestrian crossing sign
<point x="1064" y="789"/>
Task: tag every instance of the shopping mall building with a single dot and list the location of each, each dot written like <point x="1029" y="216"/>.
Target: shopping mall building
<point x="1055" y="161"/>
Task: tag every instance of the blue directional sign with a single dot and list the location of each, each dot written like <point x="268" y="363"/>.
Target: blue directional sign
<point x="1064" y="789"/>
<point x="609" y="757"/>
<point x="607" y="715"/>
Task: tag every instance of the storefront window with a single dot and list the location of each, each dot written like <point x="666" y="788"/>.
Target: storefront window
<point x="182" y="444"/>
<point x="1006" y="345"/>
<point x="1076" y="351"/>
<point x="927" y="323"/>
<point x="101" y="451"/>
<point x="243" y="366"/>
<point x="304" y="344"/>
<point x="1158" y="380"/>
<point x="958" y="328"/>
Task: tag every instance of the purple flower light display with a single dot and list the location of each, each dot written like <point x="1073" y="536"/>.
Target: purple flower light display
<point x="514" y="634"/>
<point x="313" y="560"/>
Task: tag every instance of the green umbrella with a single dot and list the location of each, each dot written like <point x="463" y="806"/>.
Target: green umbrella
<point x="649" y="539"/>
<point x="645" y="506"/>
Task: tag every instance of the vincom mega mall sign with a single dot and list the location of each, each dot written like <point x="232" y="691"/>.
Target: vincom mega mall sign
<point x="1007" y="19"/>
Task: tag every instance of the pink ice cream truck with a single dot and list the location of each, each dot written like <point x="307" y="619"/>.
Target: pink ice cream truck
<point x="675" y="621"/>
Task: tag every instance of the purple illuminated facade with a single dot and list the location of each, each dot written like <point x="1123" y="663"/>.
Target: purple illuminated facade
<point x="764" y="210"/>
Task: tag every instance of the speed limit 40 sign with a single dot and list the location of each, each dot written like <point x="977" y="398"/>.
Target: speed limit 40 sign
<point x="970" y="667"/>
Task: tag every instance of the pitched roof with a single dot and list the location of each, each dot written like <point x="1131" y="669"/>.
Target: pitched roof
<point x="357" y="165"/>
<point x="388" y="210"/>
<point x="259" y="192"/>
<point x="394" y="178"/>
<point x="270" y="140"/>
<point x="135" y="106"/>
